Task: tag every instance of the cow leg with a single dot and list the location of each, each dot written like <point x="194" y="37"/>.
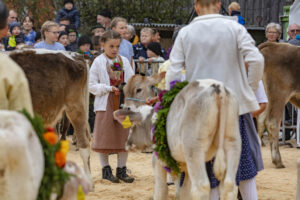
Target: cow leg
<point x="232" y="148"/>
<point x="79" y="122"/>
<point x="273" y="126"/>
<point x="195" y="162"/>
<point x="160" y="187"/>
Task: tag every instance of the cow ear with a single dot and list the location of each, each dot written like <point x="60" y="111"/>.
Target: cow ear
<point x="156" y="78"/>
<point x="134" y="117"/>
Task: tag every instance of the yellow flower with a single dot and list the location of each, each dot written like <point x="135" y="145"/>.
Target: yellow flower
<point x="80" y="194"/>
<point x="126" y="123"/>
<point x="50" y="137"/>
<point x="60" y="159"/>
<point x="64" y="146"/>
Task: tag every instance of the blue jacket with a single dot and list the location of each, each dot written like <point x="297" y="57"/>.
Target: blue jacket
<point x="241" y="20"/>
<point x="73" y="15"/>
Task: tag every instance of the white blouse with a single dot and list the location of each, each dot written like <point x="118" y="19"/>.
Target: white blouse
<point x="99" y="82"/>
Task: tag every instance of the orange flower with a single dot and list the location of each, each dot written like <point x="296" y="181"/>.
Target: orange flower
<point x="50" y="137"/>
<point x="60" y="159"/>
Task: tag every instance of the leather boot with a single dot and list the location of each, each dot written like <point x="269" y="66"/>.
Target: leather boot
<point x="107" y="174"/>
<point x="122" y="175"/>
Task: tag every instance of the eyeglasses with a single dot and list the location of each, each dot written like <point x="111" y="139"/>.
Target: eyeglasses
<point x="54" y="32"/>
<point x="295" y="31"/>
<point x="271" y="32"/>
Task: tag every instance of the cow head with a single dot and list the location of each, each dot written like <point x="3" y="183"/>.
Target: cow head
<point x="139" y="88"/>
<point x="140" y="135"/>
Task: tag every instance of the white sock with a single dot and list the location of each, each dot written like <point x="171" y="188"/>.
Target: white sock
<point x="248" y="189"/>
<point x="103" y="159"/>
<point x="122" y="159"/>
<point x="214" y="194"/>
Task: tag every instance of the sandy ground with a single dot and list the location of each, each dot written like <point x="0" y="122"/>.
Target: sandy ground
<point x="272" y="184"/>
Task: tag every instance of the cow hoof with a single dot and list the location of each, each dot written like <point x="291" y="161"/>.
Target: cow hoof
<point x="279" y="166"/>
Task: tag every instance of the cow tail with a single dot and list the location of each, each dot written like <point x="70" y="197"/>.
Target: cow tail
<point x="220" y="163"/>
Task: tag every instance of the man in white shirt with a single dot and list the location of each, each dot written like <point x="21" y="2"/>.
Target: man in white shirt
<point x="216" y="47"/>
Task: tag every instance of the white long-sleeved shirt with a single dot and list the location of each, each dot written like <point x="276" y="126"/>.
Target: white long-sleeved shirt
<point x="216" y="47"/>
<point x="99" y="82"/>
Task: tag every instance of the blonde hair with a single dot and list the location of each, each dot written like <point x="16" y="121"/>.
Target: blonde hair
<point x="234" y="6"/>
<point x="46" y="27"/>
<point x="148" y="30"/>
<point x="206" y="2"/>
<point x="116" y="20"/>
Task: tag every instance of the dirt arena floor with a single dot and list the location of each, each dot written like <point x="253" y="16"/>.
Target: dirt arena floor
<point x="272" y="184"/>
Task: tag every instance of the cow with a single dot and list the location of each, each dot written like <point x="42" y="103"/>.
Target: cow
<point x="21" y="158"/>
<point x="281" y="81"/>
<point x="202" y="123"/>
<point x="58" y="82"/>
<point x="22" y="162"/>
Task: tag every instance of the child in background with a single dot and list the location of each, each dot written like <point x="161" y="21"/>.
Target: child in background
<point x="96" y="41"/>
<point x="234" y="9"/>
<point x="69" y="11"/>
<point x="84" y="46"/>
<point x="73" y="40"/>
<point x="17" y="37"/>
<point x="109" y="135"/>
<point x="140" y="49"/>
<point x="63" y="38"/>
<point x="98" y="30"/>
<point x="29" y="33"/>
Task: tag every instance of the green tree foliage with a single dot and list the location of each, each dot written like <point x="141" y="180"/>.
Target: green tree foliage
<point x="158" y="11"/>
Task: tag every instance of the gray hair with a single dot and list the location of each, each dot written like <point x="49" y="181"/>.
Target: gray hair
<point x="131" y="30"/>
<point x="276" y="26"/>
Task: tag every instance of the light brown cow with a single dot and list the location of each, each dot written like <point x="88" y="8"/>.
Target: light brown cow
<point x="202" y="123"/>
<point x="281" y="81"/>
<point x="58" y="82"/>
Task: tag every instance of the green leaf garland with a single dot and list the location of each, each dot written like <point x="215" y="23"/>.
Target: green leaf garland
<point x="160" y="134"/>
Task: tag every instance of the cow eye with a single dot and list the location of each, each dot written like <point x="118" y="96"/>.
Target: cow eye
<point x="138" y="90"/>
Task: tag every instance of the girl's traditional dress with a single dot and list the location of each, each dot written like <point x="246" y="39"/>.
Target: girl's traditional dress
<point x="109" y="135"/>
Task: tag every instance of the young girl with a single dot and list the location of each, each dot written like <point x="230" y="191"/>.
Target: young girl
<point x="30" y="34"/>
<point x="109" y="135"/>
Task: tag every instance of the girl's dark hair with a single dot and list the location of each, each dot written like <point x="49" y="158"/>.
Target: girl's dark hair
<point x="110" y="34"/>
<point x="30" y="18"/>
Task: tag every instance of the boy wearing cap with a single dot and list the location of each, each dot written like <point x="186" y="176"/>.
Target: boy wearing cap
<point x="84" y="46"/>
<point x="104" y="18"/>
<point x="98" y="30"/>
<point x="17" y="37"/>
<point x="69" y="11"/>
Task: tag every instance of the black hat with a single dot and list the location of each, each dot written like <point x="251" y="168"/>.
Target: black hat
<point x="105" y="13"/>
<point x="68" y="1"/>
<point x="155" y="47"/>
<point x="84" y="40"/>
<point x="62" y="33"/>
<point x="97" y="26"/>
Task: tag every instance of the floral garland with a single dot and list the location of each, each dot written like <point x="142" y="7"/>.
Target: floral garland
<point x="161" y="110"/>
<point x="55" y="153"/>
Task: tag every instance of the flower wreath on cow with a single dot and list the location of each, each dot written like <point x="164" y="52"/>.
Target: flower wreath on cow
<point x="159" y="129"/>
<point x="55" y="152"/>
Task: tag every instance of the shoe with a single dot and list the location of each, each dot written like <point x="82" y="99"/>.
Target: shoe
<point x="107" y="174"/>
<point x="122" y="175"/>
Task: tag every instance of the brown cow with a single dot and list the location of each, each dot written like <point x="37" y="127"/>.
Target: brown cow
<point x="58" y="82"/>
<point x="281" y="81"/>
